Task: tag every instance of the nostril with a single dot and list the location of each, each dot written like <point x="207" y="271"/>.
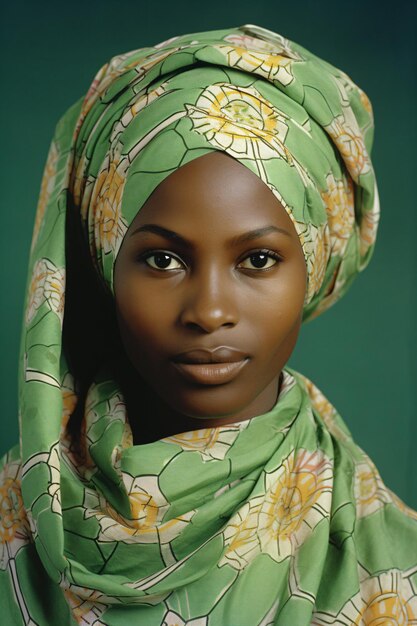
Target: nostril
<point x="194" y="326"/>
<point x="206" y="326"/>
<point x="207" y="321"/>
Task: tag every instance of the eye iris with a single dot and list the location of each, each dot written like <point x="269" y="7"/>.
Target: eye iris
<point x="162" y="260"/>
<point x="259" y="260"/>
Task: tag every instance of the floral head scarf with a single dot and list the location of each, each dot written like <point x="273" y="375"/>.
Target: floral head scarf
<point x="298" y="123"/>
<point x="183" y="530"/>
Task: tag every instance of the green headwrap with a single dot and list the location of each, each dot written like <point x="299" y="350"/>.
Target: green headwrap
<point x="280" y="519"/>
<point x="299" y="124"/>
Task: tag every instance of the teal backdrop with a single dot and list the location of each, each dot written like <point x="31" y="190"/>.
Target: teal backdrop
<point x="362" y="352"/>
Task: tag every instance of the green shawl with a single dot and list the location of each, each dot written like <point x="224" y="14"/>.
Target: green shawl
<point x="280" y="519"/>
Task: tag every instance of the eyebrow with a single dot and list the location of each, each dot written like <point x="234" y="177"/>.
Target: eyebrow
<point x="173" y="236"/>
<point x="163" y="232"/>
<point x="260" y="232"/>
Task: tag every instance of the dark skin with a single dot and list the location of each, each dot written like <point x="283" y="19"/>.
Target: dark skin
<point x="212" y="260"/>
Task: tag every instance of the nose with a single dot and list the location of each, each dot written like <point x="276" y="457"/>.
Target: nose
<point x="209" y="302"/>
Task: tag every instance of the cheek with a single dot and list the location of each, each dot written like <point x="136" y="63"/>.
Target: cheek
<point x="277" y="315"/>
<point x="282" y="302"/>
<point x="141" y="318"/>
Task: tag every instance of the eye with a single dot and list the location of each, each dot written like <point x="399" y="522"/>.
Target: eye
<point x="260" y="260"/>
<point x="163" y="261"/>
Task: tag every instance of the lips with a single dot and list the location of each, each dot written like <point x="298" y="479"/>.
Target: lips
<point x="222" y="354"/>
<point x="210" y="367"/>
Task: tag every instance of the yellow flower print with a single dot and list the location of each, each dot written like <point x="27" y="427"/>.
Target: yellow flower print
<point x="196" y="439"/>
<point x="241" y="122"/>
<point x="326" y="411"/>
<point x="138" y="105"/>
<point x="47" y="186"/>
<point x="11" y="510"/>
<point x="339" y="202"/>
<point x="114" y="408"/>
<point x="109" y="225"/>
<point x="127" y="437"/>
<point x="102" y="78"/>
<point x="118" y="65"/>
<point x="211" y="443"/>
<point x="370" y="492"/>
<point x="389" y="598"/>
<point x="14" y="524"/>
<point x="79" y="184"/>
<point x="85" y="608"/>
<point x="319" y="401"/>
<point x="267" y="59"/>
<point x="366" y="103"/>
<point x="47" y="287"/>
<point x="315" y="241"/>
<point x="240" y="536"/>
<point x="297" y="498"/>
<point x="105" y="76"/>
<point x="348" y="139"/>
<point x="368" y="228"/>
<point x="148" y="507"/>
<point x="347" y="87"/>
<point x="152" y="59"/>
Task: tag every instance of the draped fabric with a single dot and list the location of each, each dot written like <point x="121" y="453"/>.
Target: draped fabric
<point x="279" y="519"/>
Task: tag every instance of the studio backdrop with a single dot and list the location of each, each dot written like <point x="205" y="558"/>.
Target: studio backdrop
<point x="362" y="352"/>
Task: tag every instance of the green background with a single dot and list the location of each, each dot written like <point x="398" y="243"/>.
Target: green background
<point x="362" y="352"/>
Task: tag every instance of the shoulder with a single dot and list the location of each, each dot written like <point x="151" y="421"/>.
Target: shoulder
<point x="380" y="517"/>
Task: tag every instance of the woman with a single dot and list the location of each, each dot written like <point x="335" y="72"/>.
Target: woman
<point x="206" y="196"/>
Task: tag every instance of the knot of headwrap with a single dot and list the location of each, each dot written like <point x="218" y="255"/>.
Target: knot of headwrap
<point x="294" y="120"/>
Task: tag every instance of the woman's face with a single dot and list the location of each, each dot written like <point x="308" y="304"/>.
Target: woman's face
<point x="209" y="288"/>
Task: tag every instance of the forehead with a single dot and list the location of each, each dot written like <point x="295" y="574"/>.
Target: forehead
<point x="214" y="192"/>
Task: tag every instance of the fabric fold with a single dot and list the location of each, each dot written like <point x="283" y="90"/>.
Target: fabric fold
<point x="280" y="519"/>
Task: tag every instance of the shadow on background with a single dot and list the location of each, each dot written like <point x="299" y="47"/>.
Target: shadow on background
<point x="361" y="353"/>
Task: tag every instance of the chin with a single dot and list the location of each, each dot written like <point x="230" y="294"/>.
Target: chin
<point x="209" y="403"/>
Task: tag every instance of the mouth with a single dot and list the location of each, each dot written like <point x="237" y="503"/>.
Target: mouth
<point x="211" y="373"/>
<point x="221" y="354"/>
<point x="211" y="366"/>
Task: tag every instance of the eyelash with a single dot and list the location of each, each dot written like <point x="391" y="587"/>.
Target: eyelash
<point x="269" y="253"/>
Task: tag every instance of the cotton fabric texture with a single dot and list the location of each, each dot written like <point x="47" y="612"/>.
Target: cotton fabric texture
<point x="280" y="519"/>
